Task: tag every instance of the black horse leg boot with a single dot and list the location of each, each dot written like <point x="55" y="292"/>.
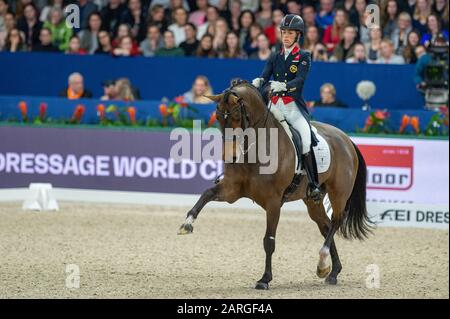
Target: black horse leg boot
<point x="314" y="193"/>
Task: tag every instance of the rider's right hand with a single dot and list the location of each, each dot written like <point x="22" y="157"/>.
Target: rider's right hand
<point x="257" y="82"/>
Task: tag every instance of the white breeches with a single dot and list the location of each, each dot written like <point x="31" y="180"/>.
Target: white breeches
<point x="295" y="118"/>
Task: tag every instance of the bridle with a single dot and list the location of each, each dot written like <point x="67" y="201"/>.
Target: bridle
<point x="243" y="118"/>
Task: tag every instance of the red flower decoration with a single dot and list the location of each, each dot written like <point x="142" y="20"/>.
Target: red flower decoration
<point x="163" y="110"/>
<point x="132" y="114"/>
<point x="23" y="110"/>
<point x="101" y="111"/>
<point x="42" y="111"/>
<point x="78" y="113"/>
<point x="415" y="124"/>
<point x="406" y="120"/>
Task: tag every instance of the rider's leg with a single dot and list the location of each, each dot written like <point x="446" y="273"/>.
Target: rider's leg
<point x="298" y="121"/>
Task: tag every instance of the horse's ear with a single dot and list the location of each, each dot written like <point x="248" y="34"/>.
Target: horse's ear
<point x="214" y="98"/>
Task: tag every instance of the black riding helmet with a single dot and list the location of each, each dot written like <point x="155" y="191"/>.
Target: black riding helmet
<point x="293" y="22"/>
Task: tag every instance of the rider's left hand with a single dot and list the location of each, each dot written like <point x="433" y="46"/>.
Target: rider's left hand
<point x="276" y="86"/>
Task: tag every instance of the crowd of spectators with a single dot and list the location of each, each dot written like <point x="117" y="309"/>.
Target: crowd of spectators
<point x="245" y="29"/>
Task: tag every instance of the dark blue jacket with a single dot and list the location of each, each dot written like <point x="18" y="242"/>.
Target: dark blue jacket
<point x="292" y="71"/>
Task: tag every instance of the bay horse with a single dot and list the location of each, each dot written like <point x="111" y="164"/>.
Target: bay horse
<point x="242" y="106"/>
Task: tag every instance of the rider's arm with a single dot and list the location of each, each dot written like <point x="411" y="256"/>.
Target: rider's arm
<point x="302" y="71"/>
<point x="268" y="69"/>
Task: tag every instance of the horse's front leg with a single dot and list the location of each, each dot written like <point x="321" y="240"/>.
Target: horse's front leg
<point x="273" y="216"/>
<point x="209" y="195"/>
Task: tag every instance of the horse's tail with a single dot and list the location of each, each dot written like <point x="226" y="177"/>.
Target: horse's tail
<point x="357" y="223"/>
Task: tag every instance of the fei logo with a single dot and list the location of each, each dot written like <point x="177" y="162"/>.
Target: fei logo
<point x="389" y="167"/>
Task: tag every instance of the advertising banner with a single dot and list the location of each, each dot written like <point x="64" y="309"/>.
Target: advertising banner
<point x="399" y="170"/>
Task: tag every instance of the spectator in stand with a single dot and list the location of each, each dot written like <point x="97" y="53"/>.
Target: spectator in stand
<point x="251" y="5"/>
<point x="409" y="53"/>
<point x="127" y="47"/>
<point x="328" y="97"/>
<point x="112" y="15"/>
<point x="251" y="43"/>
<point x="87" y="7"/>
<point x="325" y="17"/>
<point x="422" y="10"/>
<point x="441" y="9"/>
<point x="273" y="32"/>
<point x="235" y="14"/>
<point x="264" y="16"/>
<point x="363" y="28"/>
<point x="293" y="7"/>
<point x="333" y="33"/>
<point x="320" y="53"/>
<point x="158" y="18"/>
<point x="172" y="6"/>
<point x="180" y="18"/>
<point x="104" y="40"/>
<point x="30" y="25"/>
<point x="373" y="47"/>
<point x="246" y="19"/>
<point x="212" y="15"/>
<point x="387" y="55"/>
<point x="153" y="42"/>
<point x="9" y="24"/>
<point x="389" y="18"/>
<point x="61" y="32"/>
<point x="434" y="30"/>
<point x="357" y="13"/>
<point x="206" y="49"/>
<point x="200" y="89"/>
<point x="400" y="34"/>
<point x="311" y="39"/>
<point x="264" y="52"/>
<point x="75" y="89"/>
<point x="169" y="49"/>
<point x="3" y="11"/>
<point x="75" y="46"/>
<point x="109" y="91"/>
<point x="221" y="29"/>
<point x="190" y="45"/>
<point x="45" y="44"/>
<point x="198" y="17"/>
<point x="309" y="17"/>
<point x="15" y="41"/>
<point x="135" y="17"/>
<point x="45" y="12"/>
<point x="125" y="91"/>
<point x="232" y="47"/>
<point x="344" y="50"/>
<point x="124" y="30"/>
<point x="359" y="54"/>
<point x="89" y="36"/>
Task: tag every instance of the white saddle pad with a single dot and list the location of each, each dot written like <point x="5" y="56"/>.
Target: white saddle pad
<point x="321" y="150"/>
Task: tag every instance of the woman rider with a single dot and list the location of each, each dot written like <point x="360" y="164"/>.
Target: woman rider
<point x="289" y="68"/>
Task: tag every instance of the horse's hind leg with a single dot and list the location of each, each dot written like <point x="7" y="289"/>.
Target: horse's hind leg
<point x="327" y="229"/>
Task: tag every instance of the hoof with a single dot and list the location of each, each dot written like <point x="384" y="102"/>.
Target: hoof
<point x="322" y="273"/>
<point x="186" y="229"/>
<point x="262" y="286"/>
<point x="331" y="280"/>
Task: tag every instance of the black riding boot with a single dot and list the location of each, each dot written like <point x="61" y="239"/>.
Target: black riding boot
<point x="314" y="193"/>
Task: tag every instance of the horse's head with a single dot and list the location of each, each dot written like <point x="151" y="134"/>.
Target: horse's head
<point x="239" y="107"/>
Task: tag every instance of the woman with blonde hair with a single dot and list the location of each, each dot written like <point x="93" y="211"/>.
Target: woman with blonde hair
<point x="124" y="90"/>
<point x="200" y="89"/>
